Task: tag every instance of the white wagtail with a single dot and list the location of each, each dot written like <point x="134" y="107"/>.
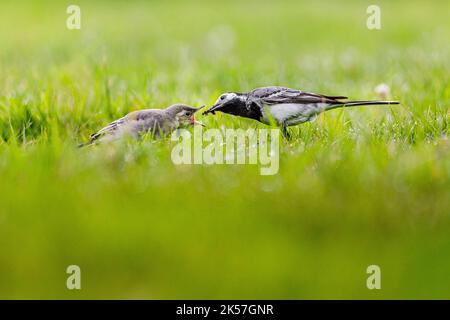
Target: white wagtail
<point x="154" y="121"/>
<point x="284" y="106"/>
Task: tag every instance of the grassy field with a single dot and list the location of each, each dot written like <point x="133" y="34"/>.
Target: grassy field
<point x="357" y="187"/>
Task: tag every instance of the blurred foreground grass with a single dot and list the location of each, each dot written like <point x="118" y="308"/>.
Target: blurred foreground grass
<point x="357" y="187"/>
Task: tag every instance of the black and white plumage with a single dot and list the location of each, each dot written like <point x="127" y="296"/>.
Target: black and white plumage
<point x="284" y="106"/>
<point x="154" y="121"/>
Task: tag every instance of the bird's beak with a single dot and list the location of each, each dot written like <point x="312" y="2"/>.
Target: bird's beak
<point x="194" y="121"/>
<point x="199" y="108"/>
<point x="213" y="109"/>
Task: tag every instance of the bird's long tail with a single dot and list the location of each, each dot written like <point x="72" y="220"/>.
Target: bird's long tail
<point x="345" y="104"/>
<point x="84" y="144"/>
<point x="93" y="139"/>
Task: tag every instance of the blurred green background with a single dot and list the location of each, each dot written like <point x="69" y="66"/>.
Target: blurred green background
<point x="357" y="187"/>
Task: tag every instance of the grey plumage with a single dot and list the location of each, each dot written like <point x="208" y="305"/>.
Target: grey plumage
<point x="154" y="121"/>
<point x="276" y="95"/>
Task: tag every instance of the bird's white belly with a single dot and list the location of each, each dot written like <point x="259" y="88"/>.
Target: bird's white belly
<point x="292" y="113"/>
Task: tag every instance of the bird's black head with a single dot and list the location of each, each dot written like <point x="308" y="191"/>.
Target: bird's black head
<point x="229" y="102"/>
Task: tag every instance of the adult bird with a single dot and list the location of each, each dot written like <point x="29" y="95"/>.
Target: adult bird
<point x="284" y="106"/>
<point x="154" y="121"/>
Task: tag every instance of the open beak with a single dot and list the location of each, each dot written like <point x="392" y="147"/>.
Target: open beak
<point x="194" y="121"/>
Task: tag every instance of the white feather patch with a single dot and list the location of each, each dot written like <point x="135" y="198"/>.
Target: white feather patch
<point x="292" y="113"/>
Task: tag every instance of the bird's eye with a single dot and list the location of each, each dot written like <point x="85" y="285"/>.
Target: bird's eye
<point x="222" y="97"/>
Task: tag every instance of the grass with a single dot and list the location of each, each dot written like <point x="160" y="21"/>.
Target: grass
<point x="357" y="187"/>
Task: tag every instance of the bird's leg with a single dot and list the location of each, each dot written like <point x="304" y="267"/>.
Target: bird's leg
<point x="285" y="132"/>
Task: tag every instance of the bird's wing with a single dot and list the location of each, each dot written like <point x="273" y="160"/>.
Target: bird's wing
<point x="141" y="120"/>
<point x="148" y="120"/>
<point x="279" y="95"/>
<point x="109" y="129"/>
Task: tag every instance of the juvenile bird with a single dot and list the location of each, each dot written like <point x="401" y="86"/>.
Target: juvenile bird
<point x="284" y="106"/>
<point x="154" y="121"/>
